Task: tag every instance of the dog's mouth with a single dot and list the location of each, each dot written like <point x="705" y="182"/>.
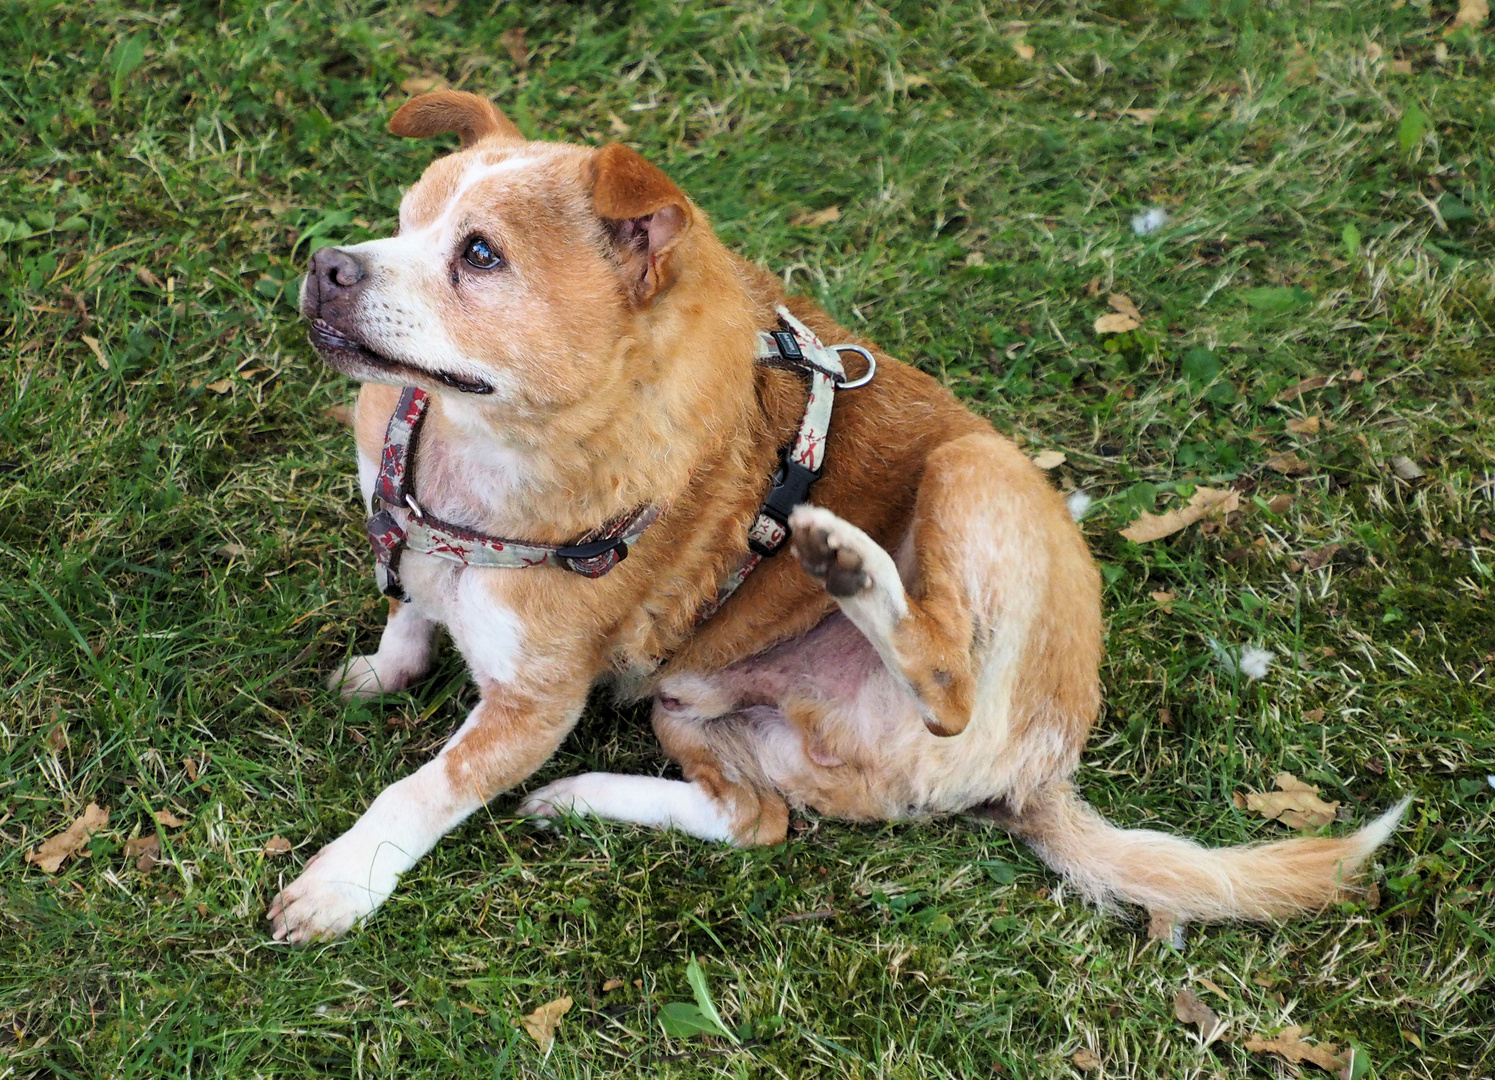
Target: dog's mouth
<point x="353" y="357"/>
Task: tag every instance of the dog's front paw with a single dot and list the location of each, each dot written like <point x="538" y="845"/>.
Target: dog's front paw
<point x="362" y="677"/>
<point x="330" y="897"/>
<point x="828" y="549"/>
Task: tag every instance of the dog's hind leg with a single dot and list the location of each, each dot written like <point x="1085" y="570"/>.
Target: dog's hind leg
<point x="989" y="543"/>
<point x="404" y="655"/>
<point x="719" y="799"/>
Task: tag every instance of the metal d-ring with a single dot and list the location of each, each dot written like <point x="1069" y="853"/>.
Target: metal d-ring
<point x="852" y="384"/>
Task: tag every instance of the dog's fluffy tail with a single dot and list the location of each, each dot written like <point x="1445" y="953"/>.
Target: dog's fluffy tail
<point x="1189" y="881"/>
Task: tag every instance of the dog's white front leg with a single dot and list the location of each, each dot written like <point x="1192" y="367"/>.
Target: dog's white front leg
<point x="404" y="655"/>
<point x="350" y="877"/>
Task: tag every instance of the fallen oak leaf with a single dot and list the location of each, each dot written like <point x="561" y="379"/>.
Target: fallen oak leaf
<point x="813" y="219"/>
<point x="541" y="1024"/>
<point x="1050" y="459"/>
<point x="1203" y="503"/>
<point x="1295" y="804"/>
<point x="513" y="41"/>
<point x="50" y="856"/>
<point x="1115" y="323"/>
<point x="1309" y="425"/>
<point x="1297" y="390"/>
<point x="167" y="818"/>
<point x="277" y="845"/>
<point x="1122" y="303"/>
<point x="422" y="84"/>
<point x="1190" y="1010"/>
<point x="1288" y="1044"/>
<point x="1472" y="15"/>
<point x="611" y="984"/>
<point x="145" y="850"/>
<point x="1086" y="1060"/>
<point x="1288" y="465"/>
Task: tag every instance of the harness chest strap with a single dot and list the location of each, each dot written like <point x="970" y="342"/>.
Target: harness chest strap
<point x="400" y="524"/>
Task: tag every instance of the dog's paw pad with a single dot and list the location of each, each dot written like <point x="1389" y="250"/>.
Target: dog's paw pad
<point x="828" y="553"/>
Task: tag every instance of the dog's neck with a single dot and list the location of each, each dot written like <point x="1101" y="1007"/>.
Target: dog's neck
<point x="636" y="441"/>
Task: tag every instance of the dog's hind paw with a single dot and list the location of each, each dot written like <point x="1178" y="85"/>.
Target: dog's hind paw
<point x="830" y="550"/>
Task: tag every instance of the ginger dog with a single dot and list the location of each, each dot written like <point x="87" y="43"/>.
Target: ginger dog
<point x="591" y="363"/>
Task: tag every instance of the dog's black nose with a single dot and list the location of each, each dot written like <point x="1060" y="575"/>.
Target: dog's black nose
<point x="336" y="269"/>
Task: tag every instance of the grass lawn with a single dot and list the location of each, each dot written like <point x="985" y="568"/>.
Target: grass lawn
<point x="181" y="556"/>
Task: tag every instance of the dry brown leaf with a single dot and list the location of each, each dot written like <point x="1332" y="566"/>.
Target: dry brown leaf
<point x="1092" y="288"/>
<point x="422" y="84"/>
<point x="277" y="845"/>
<point x="1288" y="465"/>
<point x="1142" y="116"/>
<point x="1123" y="303"/>
<point x="1205" y="502"/>
<point x="1280" y="504"/>
<point x="1288" y="1043"/>
<point x="1023" y="49"/>
<point x="617" y="123"/>
<point x="1163" y="596"/>
<point x="97" y="350"/>
<point x="145" y="850"/>
<point x="1321" y="557"/>
<point x="1190" y="1010"/>
<point x="1309" y="425"/>
<point x="222" y="386"/>
<point x="1405" y="467"/>
<point x="513" y="40"/>
<point x="170" y="820"/>
<point x="1049" y="459"/>
<point x="1355" y="376"/>
<point x="913" y="82"/>
<point x="1401" y="67"/>
<point x="611" y="985"/>
<point x="1472" y="14"/>
<point x="1295" y="804"/>
<point x="1297" y="390"/>
<point x="815" y="218"/>
<point x="145" y="277"/>
<point x="191" y="767"/>
<point x="1085" y="1060"/>
<point x="541" y="1024"/>
<point x="1115" y="324"/>
<point x="50" y="856"/>
<point x="343" y="414"/>
<point x="1213" y="987"/>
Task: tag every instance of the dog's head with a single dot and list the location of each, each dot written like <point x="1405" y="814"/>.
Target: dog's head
<point x="518" y="269"/>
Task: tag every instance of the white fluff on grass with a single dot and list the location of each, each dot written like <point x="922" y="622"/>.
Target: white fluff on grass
<point x="1079" y="504"/>
<point x="1149" y="221"/>
<point x="1250" y="661"/>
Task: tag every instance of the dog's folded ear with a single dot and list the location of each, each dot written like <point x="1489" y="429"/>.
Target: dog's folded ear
<point x="645" y="213"/>
<point x="473" y="118"/>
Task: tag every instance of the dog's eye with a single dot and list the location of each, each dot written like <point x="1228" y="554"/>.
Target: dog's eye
<point x="480" y="253"/>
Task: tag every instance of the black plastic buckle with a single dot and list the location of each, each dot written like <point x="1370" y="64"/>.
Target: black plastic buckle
<point x="595" y="548"/>
<point x="788" y="345"/>
<point x="791" y="487"/>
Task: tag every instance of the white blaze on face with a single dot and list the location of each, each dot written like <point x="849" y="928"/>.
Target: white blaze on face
<point x="401" y="309"/>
